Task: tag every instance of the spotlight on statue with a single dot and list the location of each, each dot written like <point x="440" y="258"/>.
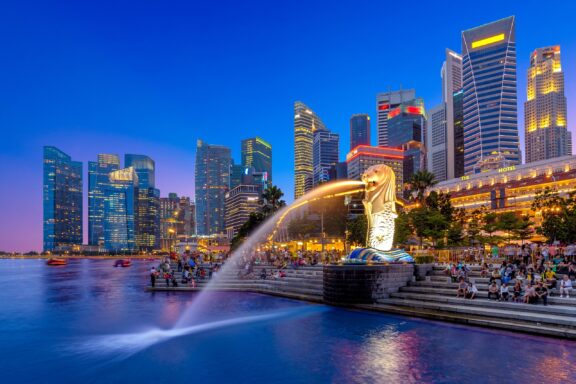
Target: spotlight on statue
<point x="380" y="210"/>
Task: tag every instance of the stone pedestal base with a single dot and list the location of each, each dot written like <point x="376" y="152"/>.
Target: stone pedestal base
<point x="363" y="284"/>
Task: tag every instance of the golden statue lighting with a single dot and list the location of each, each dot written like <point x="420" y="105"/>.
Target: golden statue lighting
<point x="380" y="210"/>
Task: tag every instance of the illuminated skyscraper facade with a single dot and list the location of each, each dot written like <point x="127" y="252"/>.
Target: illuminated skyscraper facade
<point x="441" y="149"/>
<point x="359" y="130"/>
<point x="120" y="211"/>
<point x="148" y="207"/>
<point x="385" y="102"/>
<point x="489" y="84"/>
<point x="241" y="201"/>
<point x="325" y="154"/>
<point x="545" y="117"/>
<point x="98" y="180"/>
<point x="257" y="153"/>
<point x="212" y="181"/>
<point x="177" y="215"/>
<point x="306" y="122"/>
<point x="62" y="200"/>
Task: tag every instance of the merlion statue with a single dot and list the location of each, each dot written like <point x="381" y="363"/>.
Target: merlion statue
<point x="380" y="210"/>
<point x="380" y="206"/>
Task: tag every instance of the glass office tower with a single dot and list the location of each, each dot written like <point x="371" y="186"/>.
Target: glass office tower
<point x="212" y="175"/>
<point x="148" y="211"/>
<point x="489" y="84"/>
<point x="325" y="154"/>
<point x="257" y="153"/>
<point x="359" y="130"/>
<point x="120" y="210"/>
<point x="306" y="122"/>
<point x="98" y="180"/>
<point x="62" y="201"/>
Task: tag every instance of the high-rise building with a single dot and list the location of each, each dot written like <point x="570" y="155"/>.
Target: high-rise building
<point x="339" y="171"/>
<point x="62" y="201"/>
<point x="458" y="103"/>
<point x="440" y="141"/>
<point x="407" y="122"/>
<point x="306" y="122"/>
<point x="325" y="154"/>
<point x="148" y="211"/>
<point x="240" y="203"/>
<point x="237" y="172"/>
<point x="489" y="83"/>
<point x="212" y="180"/>
<point x="120" y="211"/>
<point x="359" y="130"/>
<point x="363" y="157"/>
<point x="547" y="135"/>
<point x="148" y="219"/>
<point x="257" y="153"/>
<point x="177" y="215"/>
<point x="144" y="167"/>
<point x="98" y="180"/>
<point x="385" y="102"/>
<point x="436" y="142"/>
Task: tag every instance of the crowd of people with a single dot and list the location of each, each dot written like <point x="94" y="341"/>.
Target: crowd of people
<point x="529" y="273"/>
<point x="204" y="266"/>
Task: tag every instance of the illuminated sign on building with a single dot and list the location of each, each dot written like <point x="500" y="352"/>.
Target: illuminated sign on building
<point x="488" y="41"/>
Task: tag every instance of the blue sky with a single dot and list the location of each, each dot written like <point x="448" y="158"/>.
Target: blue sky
<point x="151" y="77"/>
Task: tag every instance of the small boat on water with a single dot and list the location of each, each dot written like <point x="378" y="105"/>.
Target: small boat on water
<point x="56" y="261"/>
<point x="122" y="263"/>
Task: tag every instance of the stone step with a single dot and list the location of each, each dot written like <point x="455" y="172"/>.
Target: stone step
<point x="536" y="318"/>
<point x="511" y="325"/>
<point x="550" y="309"/>
<point x="477" y="280"/>
<point x="482" y="294"/>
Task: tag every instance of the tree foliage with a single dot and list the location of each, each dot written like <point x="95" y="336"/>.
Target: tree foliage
<point x="558" y="215"/>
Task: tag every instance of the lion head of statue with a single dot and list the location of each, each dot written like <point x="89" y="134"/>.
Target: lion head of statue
<point x="380" y="183"/>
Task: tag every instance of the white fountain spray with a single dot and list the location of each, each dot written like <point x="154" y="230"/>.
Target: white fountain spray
<point x="267" y="230"/>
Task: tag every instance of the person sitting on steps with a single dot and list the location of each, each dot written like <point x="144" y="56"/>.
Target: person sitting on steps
<point x="565" y="286"/>
<point x="493" y="293"/>
<point x="462" y="287"/>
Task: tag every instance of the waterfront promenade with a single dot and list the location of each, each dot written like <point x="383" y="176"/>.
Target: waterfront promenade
<point x="432" y="297"/>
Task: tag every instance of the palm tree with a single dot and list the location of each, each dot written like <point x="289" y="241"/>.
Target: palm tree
<point x="419" y="182"/>
<point x="272" y="200"/>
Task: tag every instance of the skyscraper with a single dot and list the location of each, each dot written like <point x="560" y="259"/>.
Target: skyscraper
<point x="489" y="83"/>
<point x="241" y="201"/>
<point x="120" y="211"/>
<point x="436" y="142"/>
<point x="325" y="154"/>
<point x="547" y="135"/>
<point x="385" y="102"/>
<point x="306" y="122"/>
<point x="212" y="175"/>
<point x="359" y="130"/>
<point x="407" y="129"/>
<point x="148" y="207"/>
<point x="236" y="174"/>
<point x="62" y="200"/>
<point x="98" y="180"/>
<point x="407" y="122"/>
<point x="440" y="143"/>
<point x="144" y="167"/>
<point x="257" y="153"/>
<point x="177" y="215"/>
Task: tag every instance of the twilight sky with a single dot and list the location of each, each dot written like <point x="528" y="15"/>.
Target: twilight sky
<point x="151" y="77"/>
